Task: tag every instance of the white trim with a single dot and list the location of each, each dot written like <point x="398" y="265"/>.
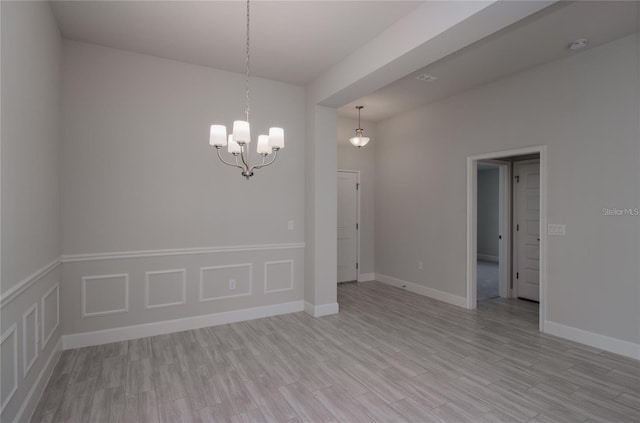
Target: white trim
<point x="85" y="339"/>
<point x="12" y="330"/>
<point x="504" y="220"/>
<point x="27" y="364"/>
<point x="13" y="292"/>
<point x="358" y="217"/>
<point x="83" y="296"/>
<point x="46" y="337"/>
<point x="227" y="266"/>
<point x="422" y="290"/>
<point x="266" y="279"/>
<point x="472" y="223"/>
<point x="70" y="258"/>
<point x="47" y="368"/>
<point x="366" y="277"/>
<point x="472" y="233"/>
<point x="603" y="342"/>
<point x="487" y="257"/>
<point x="163" y="272"/>
<point x="321" y="310"/>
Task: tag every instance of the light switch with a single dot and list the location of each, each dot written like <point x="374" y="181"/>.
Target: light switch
<point x="556" y="230"/>
<point x="290" y="225"/>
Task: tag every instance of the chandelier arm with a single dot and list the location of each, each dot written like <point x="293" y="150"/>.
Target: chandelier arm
<point x="244" y="159"/>
<point x="263" y="164"/>
<point x="226" y="162"/>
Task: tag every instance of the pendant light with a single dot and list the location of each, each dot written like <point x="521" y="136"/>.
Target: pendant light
<point x="359" y="140"/>
<point x="238" y="142"/>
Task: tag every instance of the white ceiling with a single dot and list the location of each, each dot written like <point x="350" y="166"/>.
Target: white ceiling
<point x="291" y="41"/>
<point x="296" y="41"/>
<point x="537" y="39"/>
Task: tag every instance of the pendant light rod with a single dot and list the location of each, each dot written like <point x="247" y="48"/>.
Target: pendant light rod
<point x="248" y="60"/>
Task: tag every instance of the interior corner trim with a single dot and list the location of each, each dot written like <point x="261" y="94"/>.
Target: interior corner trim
<point x="13" y="292"/>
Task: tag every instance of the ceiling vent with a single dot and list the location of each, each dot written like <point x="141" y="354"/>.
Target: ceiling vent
<point x="578" y="44"/>
<point x="426" y="78"/>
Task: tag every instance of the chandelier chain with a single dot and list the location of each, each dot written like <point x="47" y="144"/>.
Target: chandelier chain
<point x="247" y="64"/>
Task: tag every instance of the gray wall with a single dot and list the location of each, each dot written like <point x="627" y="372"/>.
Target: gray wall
<point x="139" y="176"/>
<point x="362" y="159"/>
<point x="30" y="206"/>
<point x="30" y="139"/>
<point x="488" y="212"/>
<point x="585" y="109"/>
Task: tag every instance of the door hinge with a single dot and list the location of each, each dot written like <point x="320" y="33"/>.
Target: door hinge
<point x="517" y="275"/>
<point x="357" y="265"/>
<point x="357" y="226"/>
<point x="517" y="179"/>
<point x="357" y="187"/>
<point x="517" y="227"/>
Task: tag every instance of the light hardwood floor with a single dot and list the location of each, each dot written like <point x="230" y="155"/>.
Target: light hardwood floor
<point x="389" y="356"/>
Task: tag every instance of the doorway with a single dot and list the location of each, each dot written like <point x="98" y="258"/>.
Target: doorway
<point x="493" y="216"/>
<point x="348" y="225"/>
<point x="521" y="242"/>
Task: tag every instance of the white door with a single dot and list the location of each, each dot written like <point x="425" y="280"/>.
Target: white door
<point x="347" y="226"/>
<point x="527" y="229"/>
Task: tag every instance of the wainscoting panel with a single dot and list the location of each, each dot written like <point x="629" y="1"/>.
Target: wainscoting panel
<point x="9" y="365"/>
<point x="50" y="313"/>
<point x="29" y="338"/>
<point x="278" y="276"/>
<point x="165" y="288"/>
<point x="186" y="286"/>
<point x="106" y="294"/>
<point x="228" y="281"/>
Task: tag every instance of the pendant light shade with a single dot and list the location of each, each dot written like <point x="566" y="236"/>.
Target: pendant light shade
<point x="359" y="140"/>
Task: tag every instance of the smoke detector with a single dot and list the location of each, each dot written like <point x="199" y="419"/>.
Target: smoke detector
<point x="578" y="44"/>
<point x="426" y="78"/>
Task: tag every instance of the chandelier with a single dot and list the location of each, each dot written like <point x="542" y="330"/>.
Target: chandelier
<point x="359" y="140"/>
<point x="237" y="142"/>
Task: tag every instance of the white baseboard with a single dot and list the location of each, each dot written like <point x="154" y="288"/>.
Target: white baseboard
<point x="487" y="257"/>
<point x="35" y="393"/>
<point x="365" y="277"/>
<point x="321" y="310"/>
<point x="423" y="290"/>
<point x="603" y="342"/>
<point x="125" y="333"/>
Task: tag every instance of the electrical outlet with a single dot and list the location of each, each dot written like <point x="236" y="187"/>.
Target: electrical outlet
<point x="232" y="284"/>
<point x="290" y="225"/>
<point x="419" y="265"/>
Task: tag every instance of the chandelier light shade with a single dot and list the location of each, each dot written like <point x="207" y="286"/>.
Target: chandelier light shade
<point x="359" y="140"/>
<point x="238" y="141"/>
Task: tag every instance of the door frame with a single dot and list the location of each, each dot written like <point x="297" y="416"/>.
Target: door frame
<point x="357" y="172"/>
<point x="472" y="222"/>
<point x="504" y="226"/>
<point x="514" y="232"/>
